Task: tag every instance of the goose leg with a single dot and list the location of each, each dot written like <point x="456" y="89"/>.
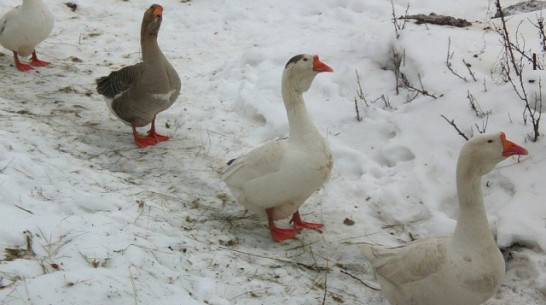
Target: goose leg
<point x="277" y="233"/>
<point x="154" y="135"/>
<point x="36" y="62"/>
<point x="21" y="66"/>
<point x="300" y="224"/>
<point x="142" y="141"/>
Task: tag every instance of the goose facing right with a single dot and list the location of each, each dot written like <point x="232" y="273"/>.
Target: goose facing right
<point x="22" y="28"/>
<point x="465" y="268"/>
<point x="275" y="179"/>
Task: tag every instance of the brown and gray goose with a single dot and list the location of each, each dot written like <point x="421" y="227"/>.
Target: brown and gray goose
<point x="137" y="93"/>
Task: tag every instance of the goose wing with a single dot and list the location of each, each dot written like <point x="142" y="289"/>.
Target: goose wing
<point x="408" y="263"/>
<point x="119" y="81"/>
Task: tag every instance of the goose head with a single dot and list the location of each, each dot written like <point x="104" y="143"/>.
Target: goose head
<point x="300" y="71"/>
<point x="151" y="21"/>
<point x="484" y="151"/>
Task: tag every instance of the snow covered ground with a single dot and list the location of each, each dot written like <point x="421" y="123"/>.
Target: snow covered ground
<point x="89" y="218"/>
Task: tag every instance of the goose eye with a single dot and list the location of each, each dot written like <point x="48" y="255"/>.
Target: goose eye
<point x="489" y="141"/>
<point x="304" y="59"/>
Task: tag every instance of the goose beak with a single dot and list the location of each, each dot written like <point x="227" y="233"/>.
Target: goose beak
<point x="158" y="10"/>
<point x="319" y="66"/>
<point x="510" y="148"/>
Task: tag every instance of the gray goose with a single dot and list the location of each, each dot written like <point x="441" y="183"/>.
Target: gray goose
<point x="275" y="179"/>
<point x="137" y="93"/>
<point x="22" y="28"/>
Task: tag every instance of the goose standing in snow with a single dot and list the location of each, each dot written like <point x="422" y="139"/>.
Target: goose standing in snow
<point x="137" y="93"/>
<point x="465" y="268"/>
<point x="22" y="28"/>
<point x="274" y="180"/>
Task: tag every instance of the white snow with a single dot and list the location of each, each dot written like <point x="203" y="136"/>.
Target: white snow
<point x="111" y="223"/>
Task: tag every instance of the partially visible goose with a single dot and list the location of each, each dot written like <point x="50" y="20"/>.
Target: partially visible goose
<point x="22" y="28"/>
<point x="274" y="180"/>
<point x="465" y="268"/>
<point x="137" y="93"/>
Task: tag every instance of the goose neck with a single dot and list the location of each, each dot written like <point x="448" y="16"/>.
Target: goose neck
<point x="472" y="223"/>
<point x="150" y="48"/>
<point x="299" y="122"/>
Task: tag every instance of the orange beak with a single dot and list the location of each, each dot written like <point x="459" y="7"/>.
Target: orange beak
<point x="510" y="148"/>
<point x="158" y="10"/>
<point x="319" y="66"/>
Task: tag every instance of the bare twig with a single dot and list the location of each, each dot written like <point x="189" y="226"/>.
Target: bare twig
<point x="449" y="57"/>
<point x="469" y="67"/>
<point x="506" y="38"/>
<point x="540" y="27"/>
<point x="28" y="211"/>
<point x="423" y="91"/>
<point x="536" y="112"/>
<point x="475" y="106"/>
<point x="385" y="100"/>
<point x="397" y="62"/>
<point x="398" y="25"/>
<point x="288" y="262"/>
<point x="28" y="239"/>
<point x="484" y="125"/>
<point x="6" y="166"/>
<point x="359" y="91"/>
<point x="452" y="123"/>
<point x="510" y="62"/>
<point x="358" y="117"/>
<point x="325" y="288"/>
<point x="360" y="95"/>
<point x="361" y="281"/>
<point x="448" y="61"/>
<point x="133" y="286"/>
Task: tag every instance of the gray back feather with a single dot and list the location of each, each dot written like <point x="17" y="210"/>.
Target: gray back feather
<point x="118" y="81"/>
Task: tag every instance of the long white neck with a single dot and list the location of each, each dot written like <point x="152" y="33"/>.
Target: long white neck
<point x="472" y="223"/>
<point x="301" y="128"/>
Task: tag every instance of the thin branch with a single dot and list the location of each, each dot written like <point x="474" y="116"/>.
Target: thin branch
<point x="325" y="288"/>
<point x="359" y="91"/>
<point x="21" y="208"/>
<point x="469" y="66"/>
<point x="506" y="37"/>
<point x="476" y="106"/>
<point x="452" y="123"/>
<point x="448" y="61"/>
<point x="423" y="91"/>
<point x="288" y="262"/>
<point x="361" y="281"/>
<point x="358" y="117"/>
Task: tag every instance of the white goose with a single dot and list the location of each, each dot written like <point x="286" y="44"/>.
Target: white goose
<point x="465" y="268"/>
<point x="22" y="28"/>
<point x="274" y="180"/>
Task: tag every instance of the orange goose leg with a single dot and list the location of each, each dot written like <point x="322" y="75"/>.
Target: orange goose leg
<point x="300" y="224"/>
<point x="152" y="134"/>
<point x="21" y="66"/>
<point x="277" y="233"/>
<point x="36" y="62"/>
<point x="142" y="141"/>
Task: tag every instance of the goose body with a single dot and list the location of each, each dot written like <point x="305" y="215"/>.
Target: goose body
<point x="137" y="93"/>
<point x="22" y="28"/>
<point x="275" y="179"/>
<point x="465" y="268"/>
